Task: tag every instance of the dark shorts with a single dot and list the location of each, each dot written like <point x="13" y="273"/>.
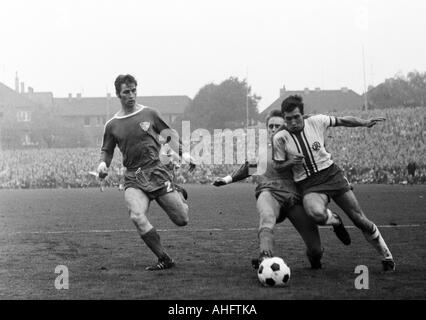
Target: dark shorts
<point x="284" y="191"/>
<point x="154" y="182"/>
<point x="330" y="181"/>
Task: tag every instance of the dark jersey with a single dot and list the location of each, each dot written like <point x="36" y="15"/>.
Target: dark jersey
<point x="136" y="135"/>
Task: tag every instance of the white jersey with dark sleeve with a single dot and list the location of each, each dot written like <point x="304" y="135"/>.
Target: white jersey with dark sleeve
<point x="136" y="135"/>
<point x="309" y="142"/>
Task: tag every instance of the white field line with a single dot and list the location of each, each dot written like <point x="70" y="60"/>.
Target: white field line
<point x="190" y="230"/>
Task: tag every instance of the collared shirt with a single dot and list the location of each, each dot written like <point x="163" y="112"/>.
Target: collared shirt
<point x="309" y="142"/>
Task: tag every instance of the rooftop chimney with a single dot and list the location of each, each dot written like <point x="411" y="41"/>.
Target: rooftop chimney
<point x="317" y="89"/>
<point x="69" y="97"/>
<point x="22" y="87"/>
<point x="30" y="90"/>
<point x="344" y="89"/>
<point x="282" y="91"/>
<point x="107" y="105"/>
<point x="306" y="90"/>
<point x="78" y="95"/>
<point x="16" y="82"/>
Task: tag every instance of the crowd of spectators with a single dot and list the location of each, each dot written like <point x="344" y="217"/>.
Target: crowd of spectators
<point x="381" y="154"/>
<point x="377" y="155"/>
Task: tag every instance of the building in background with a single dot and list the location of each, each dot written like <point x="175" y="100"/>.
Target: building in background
<point x="91" y="113"/>
<point x="321" y="101"/>
<point x="17" y="116"/>
<point x="38" y="119"/>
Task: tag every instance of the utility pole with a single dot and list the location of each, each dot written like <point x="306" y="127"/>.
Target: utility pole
<point x="365" y="80"/>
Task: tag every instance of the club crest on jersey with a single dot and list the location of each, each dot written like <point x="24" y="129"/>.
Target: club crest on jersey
<point x="145" y="125"/>
<point x="316" y="146"/>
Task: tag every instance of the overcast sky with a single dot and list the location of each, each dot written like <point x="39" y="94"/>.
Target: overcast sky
<point x="176" y="47"/>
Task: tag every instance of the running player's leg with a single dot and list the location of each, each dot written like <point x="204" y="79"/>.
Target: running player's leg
<point x="351" y="207"/>
<point x="175" y="206"/>
<point x="269" y="210"/>
<point x="308" y="230"/>
<point x="315" y="205"/>
<point x="138" y="203"/>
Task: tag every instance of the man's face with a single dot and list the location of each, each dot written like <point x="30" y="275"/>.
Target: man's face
<point x="294" y="120"/>
<point x="128" y="95"/>
<point x="274" y="123"/>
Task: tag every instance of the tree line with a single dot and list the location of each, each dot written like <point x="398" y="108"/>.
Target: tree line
<point x="229" y="104"/>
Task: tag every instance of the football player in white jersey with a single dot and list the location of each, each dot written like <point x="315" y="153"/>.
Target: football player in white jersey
<point x="277" y="198"/>
<point x="301" y="147"/>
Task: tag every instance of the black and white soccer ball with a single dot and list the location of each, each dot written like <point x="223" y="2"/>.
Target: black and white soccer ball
<point x="273" y="272"/>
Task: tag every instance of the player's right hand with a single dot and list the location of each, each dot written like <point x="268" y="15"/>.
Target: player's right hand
<point x="219" y="182"/>
<point x="102" y="170"/>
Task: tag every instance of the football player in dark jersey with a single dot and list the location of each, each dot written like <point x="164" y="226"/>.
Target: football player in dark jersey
<point x="135" y="130"/>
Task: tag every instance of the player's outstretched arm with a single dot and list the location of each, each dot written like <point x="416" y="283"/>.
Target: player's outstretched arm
<point x="350" y="121"/>
<point x="240" y="174"/>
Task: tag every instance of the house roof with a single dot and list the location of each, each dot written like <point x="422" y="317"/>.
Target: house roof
<point x="9" y="97"/>
<point x="43" y="98"/>
<point x="97" y="106"/>
<point x="322" y="101"/>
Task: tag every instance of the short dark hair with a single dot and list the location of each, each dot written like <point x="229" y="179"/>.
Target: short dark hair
<point x="292" y="102"/>
<point x="123" y="78"/>
<point x="273" y="113"/>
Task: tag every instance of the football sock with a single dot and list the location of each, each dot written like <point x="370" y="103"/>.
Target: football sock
<point x="241" y="173"/>
<point x="315" y="254"/>
<point x="266" y="240"/>
<point x="331" y="219"/>
<point x="152" y="240"/>
<point x="375" y="238"/>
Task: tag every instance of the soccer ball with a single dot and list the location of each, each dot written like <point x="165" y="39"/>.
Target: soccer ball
<point x="273" y="272"/>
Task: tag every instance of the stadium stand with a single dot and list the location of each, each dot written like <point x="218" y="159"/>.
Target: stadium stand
<point x="377" y="155"/>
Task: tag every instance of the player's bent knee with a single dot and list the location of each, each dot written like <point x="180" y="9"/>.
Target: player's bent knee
<point x="319" y="215"/>
<point x="182" y="219"/>
<point x="138" y="218"/>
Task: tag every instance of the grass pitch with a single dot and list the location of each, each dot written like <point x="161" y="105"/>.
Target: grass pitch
<point x="90" y="233"/>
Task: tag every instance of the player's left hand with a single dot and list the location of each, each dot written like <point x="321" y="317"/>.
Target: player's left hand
<point x="373" y="121"/>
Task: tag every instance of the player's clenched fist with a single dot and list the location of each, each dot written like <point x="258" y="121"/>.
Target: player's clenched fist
<point x="102" y="170"/>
